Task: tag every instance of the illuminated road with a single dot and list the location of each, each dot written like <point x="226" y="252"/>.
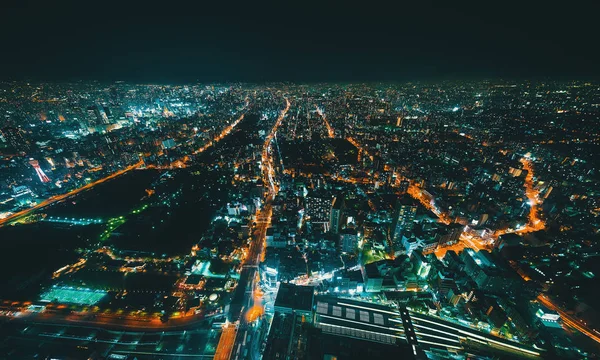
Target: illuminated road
<point x="472" y="241"/>
<point x="113" y="320"/>
<point x="243" y="301"/>
<point x="534" y="223"/>
<point x="246" y="304"/>
<point x="416" y="193"/>
<point x="181" y="163"/>
<point x="330" y="131"/>
<point x="568" y="319"/>
<point x="359" y="147"/>
<point x="56" y="198"/>
<point x="226" y="342"/>
<point x="220" y="137"/>
<point x="266" y="159"/>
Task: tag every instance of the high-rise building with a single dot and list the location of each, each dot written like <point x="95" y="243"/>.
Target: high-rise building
<point x="335" y="217"/>
<point x="404" y="218"/>
<point x="91" y="117"/>
<point x="452" y="235"/>
<point x="96" y="115"/>
<point x="318" y="206"/>
<point x="274" y="238"/>
<point x="421" y="264"/>
<point x="270" y="272"/>
<point x="108" y="115"/>
<point x="293" y="307"/>
<point x="348" y="240"/>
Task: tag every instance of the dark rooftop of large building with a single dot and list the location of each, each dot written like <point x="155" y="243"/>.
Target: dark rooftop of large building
<point x="295" y="297"/>
<point x="328" y="346"/>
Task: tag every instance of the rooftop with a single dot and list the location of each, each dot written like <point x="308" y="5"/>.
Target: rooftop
<point x="359" y="319"/>
<point x="295" y="297"/>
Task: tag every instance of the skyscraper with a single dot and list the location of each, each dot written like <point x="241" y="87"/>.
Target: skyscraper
<point x="404" y="219"/>
<point x="348" y="240"/>
<point x="335" y="217"/>
<point x="318" y="206"/>
<point x="96" y="115"/>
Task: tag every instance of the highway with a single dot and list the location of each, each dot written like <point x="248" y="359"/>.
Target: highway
<point x="56" y="198"/>
<point x="330" y="131"/>
<point x="246" y="304"/>
<point x="112" y="321"/>
<point x="268" y="169"/>
<point x="569" y="320"/>
<point x="219" y="137"/>
<point x="181" y="163"/>
<point x="226" y="341"/>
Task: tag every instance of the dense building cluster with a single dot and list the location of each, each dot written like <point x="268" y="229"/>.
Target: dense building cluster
<point x="426" y="220"/>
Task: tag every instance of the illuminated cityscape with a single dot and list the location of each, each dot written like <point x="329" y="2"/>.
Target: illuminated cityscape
<point x="238" y="218"/>
<point x="296" y="181"/>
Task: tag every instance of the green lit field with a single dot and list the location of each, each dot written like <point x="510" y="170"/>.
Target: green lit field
<point x="67" y="295"/>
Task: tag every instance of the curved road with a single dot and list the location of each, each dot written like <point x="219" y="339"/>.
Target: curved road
<point x="51" y="200"/>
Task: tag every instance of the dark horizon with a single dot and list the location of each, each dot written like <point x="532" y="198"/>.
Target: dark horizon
<point x="306" y="43"/>
<point x="421" y="81"/>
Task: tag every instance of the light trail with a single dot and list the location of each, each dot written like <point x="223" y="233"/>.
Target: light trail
<point x="361" y="323"/>
<point x="181" y="163"/>
<point x="534" y="222"/>
<point x="436" y="337"/>
<point x="359" y="147"/>
<point x="439" y="344"/>
<point x="568" y="319"/>
<point x="226" y="131"/>
<point x="267" y="162"/>
<point x="257" y="310"/>
<point x="226" y="342"/>
<point x="161" y="354"/>
<point x="364" y="331"/>
<point x="53" y="199"/>
<point x="417" y="194"/>
<point x="252" y="294"/>
<point x="330" y="131"/>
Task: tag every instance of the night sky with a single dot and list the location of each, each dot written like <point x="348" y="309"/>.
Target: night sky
<point x="303" y="41"/>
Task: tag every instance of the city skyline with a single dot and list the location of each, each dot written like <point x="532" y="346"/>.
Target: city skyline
<point x="220" y="221"/>
<point x="299" y="180"/>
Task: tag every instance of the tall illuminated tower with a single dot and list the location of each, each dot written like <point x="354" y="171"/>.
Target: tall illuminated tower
<point x="39" y="171"/>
